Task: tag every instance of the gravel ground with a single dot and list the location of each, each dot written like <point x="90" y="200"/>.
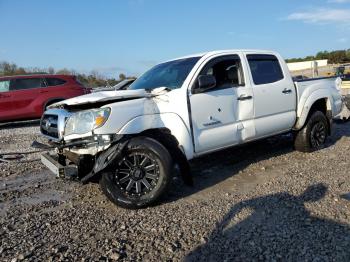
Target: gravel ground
<point x="260" y="202"/>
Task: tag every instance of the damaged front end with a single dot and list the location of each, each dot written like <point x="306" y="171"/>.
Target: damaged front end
<point x="80" y="158"/>
<point x="77" y="156"/>
<point x="83" y="130"/>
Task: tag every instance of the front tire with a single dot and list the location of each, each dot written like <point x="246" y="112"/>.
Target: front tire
<point x="140" y="176"/>
<point x="313" y="135"/>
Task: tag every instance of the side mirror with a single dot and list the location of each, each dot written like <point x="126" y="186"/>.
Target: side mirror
<point x="206" y="82"/>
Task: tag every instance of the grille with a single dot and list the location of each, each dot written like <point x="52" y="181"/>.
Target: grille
<point x="49" y="125"/>
<point x="53" y="122"/>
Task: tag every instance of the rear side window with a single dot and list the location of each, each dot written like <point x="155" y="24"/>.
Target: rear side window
<point x="54" y="81"/>
<point x="4" y="86"/>
<point x="26" y="83"/>
<point x="265" y="69"/>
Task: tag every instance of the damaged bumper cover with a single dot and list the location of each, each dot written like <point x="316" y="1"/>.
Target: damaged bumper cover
<point x="83" y="159"/>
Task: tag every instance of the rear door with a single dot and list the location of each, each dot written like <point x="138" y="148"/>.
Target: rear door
<point x="57" y="89"/>
<point x="63" y="88"/>
<point x="274" y="95"/>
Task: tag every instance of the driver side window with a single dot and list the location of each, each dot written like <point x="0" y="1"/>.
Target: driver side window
<point x="226" y="70"/>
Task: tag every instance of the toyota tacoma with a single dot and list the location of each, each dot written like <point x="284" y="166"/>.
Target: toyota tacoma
<point x="131" y="140"/>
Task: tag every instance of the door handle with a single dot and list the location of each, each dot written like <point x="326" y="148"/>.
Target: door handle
<point x="244" y="97"/>
<point x="4" y="96"/>
<point x="287" y="91"/>
<point x="43" y="91"/>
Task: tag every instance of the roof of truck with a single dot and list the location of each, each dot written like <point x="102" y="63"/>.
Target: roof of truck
<point x="215" y="52"/>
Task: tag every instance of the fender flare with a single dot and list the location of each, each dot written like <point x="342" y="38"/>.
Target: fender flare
<point x="304" y="109"/>
<point x="171" y="121"/>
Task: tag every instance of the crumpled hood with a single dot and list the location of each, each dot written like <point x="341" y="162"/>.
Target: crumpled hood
<point x="109" y="96"/>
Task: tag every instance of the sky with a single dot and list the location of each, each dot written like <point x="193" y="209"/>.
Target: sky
<point x="130" y="36"/>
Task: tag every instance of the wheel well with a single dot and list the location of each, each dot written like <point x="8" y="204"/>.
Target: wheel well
<point x="319" y="105"/>
<point x="164" y="136"/>
<point x="322" y="106"/>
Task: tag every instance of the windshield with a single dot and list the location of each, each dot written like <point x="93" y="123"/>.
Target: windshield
<point x="170" y="74"/>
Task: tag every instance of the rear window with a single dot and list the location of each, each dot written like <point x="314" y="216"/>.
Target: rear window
<point x="54" y="81"/>
<point x="26" y="83"/>
<point x="4" y="85"/>
<point x="265" y="69"/>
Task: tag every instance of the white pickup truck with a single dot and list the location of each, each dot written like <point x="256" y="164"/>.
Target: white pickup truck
<point x="179" y="110"/>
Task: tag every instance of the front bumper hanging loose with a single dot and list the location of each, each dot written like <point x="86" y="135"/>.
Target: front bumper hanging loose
<point x="71" y="171"/>
<point x="61" y="171"/>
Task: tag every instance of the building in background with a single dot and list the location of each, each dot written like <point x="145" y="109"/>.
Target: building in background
<point x="312" y="68"/>
<point x="297" y="66"/>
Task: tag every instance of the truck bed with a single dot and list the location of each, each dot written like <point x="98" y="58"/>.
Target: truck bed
<point x="302" y="85"/>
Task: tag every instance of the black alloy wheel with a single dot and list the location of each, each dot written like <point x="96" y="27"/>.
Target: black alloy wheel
<point x="137" y="174"/>
<point x="318" y="134"/>
<point x="141" y="176"/>
<point x="314" y="134"/>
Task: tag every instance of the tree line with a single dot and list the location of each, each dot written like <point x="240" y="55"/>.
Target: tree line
<point x="93" y="79"/>
<point x="334" y="57"/>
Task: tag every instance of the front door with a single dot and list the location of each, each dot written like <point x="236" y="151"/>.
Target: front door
<point x="223" y="115"/>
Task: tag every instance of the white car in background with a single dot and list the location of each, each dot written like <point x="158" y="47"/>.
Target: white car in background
<point x="122" y="85"/>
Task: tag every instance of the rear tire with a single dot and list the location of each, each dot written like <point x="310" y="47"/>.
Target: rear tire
<point x="140" y="176"/>
<point x="313" y="135"/>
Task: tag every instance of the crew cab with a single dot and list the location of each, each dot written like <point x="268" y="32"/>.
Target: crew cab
<point x="179" y="110"/>
<point x="27" y="96"/>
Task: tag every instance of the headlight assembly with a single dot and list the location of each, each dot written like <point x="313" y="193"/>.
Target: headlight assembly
<point x="85" y="121"/>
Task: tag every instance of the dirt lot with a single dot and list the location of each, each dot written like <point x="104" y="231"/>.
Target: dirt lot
<point x="262" y="201"/>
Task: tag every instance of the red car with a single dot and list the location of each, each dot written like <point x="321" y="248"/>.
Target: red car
<point x="27" y="96"/>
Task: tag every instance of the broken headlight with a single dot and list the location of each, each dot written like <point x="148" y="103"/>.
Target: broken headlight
<point x="85" y="121"/>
